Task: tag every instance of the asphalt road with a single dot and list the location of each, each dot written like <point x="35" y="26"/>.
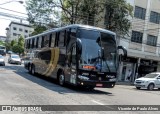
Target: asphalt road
<point x="18" y="87"/>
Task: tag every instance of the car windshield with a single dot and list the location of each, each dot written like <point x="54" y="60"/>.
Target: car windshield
<point x="15" y="56"/>
<point x="1" y="56"/>
<point x="151" y="75"/>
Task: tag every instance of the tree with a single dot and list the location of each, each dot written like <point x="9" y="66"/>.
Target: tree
<point x="81" y="11"/>
<point x="13" y="42"/>
<point x="8" y="46"/>
<point x="45" y="12"/>
<point x="116" y="15"/>
<point x="2" y="43"/>
<point x="39" y="11"/>
<point x="18" y="47"/>
<point x="40" y="15"/>
<point x="38" y="29"/>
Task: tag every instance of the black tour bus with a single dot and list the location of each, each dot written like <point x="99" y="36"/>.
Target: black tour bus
<point x="80" y="55"/>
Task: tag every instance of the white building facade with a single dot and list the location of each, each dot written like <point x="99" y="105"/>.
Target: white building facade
<point x="3" y="38"/>
<point x="143" y="42"/>
<point x="15" y="30"/>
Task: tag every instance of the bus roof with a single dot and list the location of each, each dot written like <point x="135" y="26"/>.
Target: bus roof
<point x="73" y="26"/>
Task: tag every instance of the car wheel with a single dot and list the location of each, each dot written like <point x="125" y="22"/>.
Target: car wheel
<point x="61" y="79"/>
<point x="150" y="86"/>
<point x="138" y="87"/>
<point x="33" y="69"/>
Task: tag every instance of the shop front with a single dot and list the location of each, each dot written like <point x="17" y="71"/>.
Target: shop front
<point x="127" y="70"/>
<point x="146" y="66"/>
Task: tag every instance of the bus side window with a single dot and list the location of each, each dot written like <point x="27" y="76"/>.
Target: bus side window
<point x="32" y="43"/>
<point x="56" y="39"/>
<point x="46" y="56"/>
<point x="61" y="39"/>
<point x="67" y="38"/>
<point x="73" y="57"/>
<point x="46" y="41"/>
<point x="53" y="39"/>
<point x="37" y="42"/>
<point x="42" y="42"/>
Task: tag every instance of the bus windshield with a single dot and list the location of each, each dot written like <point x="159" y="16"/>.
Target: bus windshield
<point x="94" y="45"/>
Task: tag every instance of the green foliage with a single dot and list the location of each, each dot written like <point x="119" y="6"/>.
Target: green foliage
<point x="13" y="42"/>
<point x="2" y="43"/>
<point x="84" y="11"/>
<point x="40" y="15"/>
<point x="8" y="46"/>
<point x="18" y="49"/>
<point x="17" y="46"/>
<point x="116" y="15"/>
<point x="39" y="11"/>
<point x="39" y="29"/>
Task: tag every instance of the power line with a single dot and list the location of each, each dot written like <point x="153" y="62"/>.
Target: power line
<point x="13" y="11"/>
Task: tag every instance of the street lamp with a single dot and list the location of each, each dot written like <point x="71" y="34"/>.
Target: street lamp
<point x="20" y="1"/>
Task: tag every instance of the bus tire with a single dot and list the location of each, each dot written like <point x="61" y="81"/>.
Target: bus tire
<point x="33" y="70"/>
<point x="61" y="79"/>
<point x="29" y="68"/>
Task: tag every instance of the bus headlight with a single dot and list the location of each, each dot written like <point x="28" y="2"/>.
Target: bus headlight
<point x="83" y="77"/>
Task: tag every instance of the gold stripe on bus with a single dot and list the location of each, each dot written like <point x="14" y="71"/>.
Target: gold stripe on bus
<point x="55" y="61"/>
<point x="50" y="63"/>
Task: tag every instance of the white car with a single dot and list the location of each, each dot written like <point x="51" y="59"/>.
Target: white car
<point x="2" y="60"/>
<point x="13" y="58"/>
<point x="149" y="81"/>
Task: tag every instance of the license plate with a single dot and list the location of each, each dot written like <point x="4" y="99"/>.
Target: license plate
<point x="99" y="85"/>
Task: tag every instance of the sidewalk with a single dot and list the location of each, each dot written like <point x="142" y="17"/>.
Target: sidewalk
<point x="125" y="83"/>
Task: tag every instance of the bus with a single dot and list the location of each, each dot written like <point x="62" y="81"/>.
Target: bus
<point x="79" y="55"/>
<point x="2" y="50"/>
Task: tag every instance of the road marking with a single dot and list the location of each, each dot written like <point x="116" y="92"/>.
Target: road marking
<point x="97" y="102"/>
<point x="102" y="104"/>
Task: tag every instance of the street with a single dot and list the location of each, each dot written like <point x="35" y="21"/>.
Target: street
<point x="18" y="87"/>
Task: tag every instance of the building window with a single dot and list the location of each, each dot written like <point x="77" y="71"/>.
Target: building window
<point x="137" y="37"/>
<point x="25" y="36"/>
<point x="20" y="29"/>
<point x="14" y="34"/>
<point x="154" y="17"/>
<point x="26" y="31"/>
<point x="140" y="12"/>
<point x="14" y="28"/>
<point x="152" y="40"/>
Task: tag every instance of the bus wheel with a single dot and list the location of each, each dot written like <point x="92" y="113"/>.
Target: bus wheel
<point x="30" y="69"/>
<point x="61" y="79"/>
<point x="33" y="69"/>
<point x="90" y="88"/>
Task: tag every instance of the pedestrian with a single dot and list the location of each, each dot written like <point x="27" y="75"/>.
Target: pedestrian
<point x="129" y="75"/>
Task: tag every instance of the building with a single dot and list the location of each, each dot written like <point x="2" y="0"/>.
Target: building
<point x="15" y="30"/>
<point x="3" y="38"/>
<point x="143" y="42"/>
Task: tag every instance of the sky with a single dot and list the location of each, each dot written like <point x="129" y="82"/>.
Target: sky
<point x="10" y="5"/>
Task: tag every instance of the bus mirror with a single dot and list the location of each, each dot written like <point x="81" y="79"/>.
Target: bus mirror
<point x="79" y="47"/>
<point x="124" y="51"/>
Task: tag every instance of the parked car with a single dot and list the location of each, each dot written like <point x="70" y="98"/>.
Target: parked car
<point x="10" y="52"/>
<point x="13" y="58"/>
<point x="149" y="81"/>
<point x="2" y="62"/>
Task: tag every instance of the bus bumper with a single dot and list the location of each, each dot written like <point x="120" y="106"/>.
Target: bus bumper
<point x="102" y="84"/>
